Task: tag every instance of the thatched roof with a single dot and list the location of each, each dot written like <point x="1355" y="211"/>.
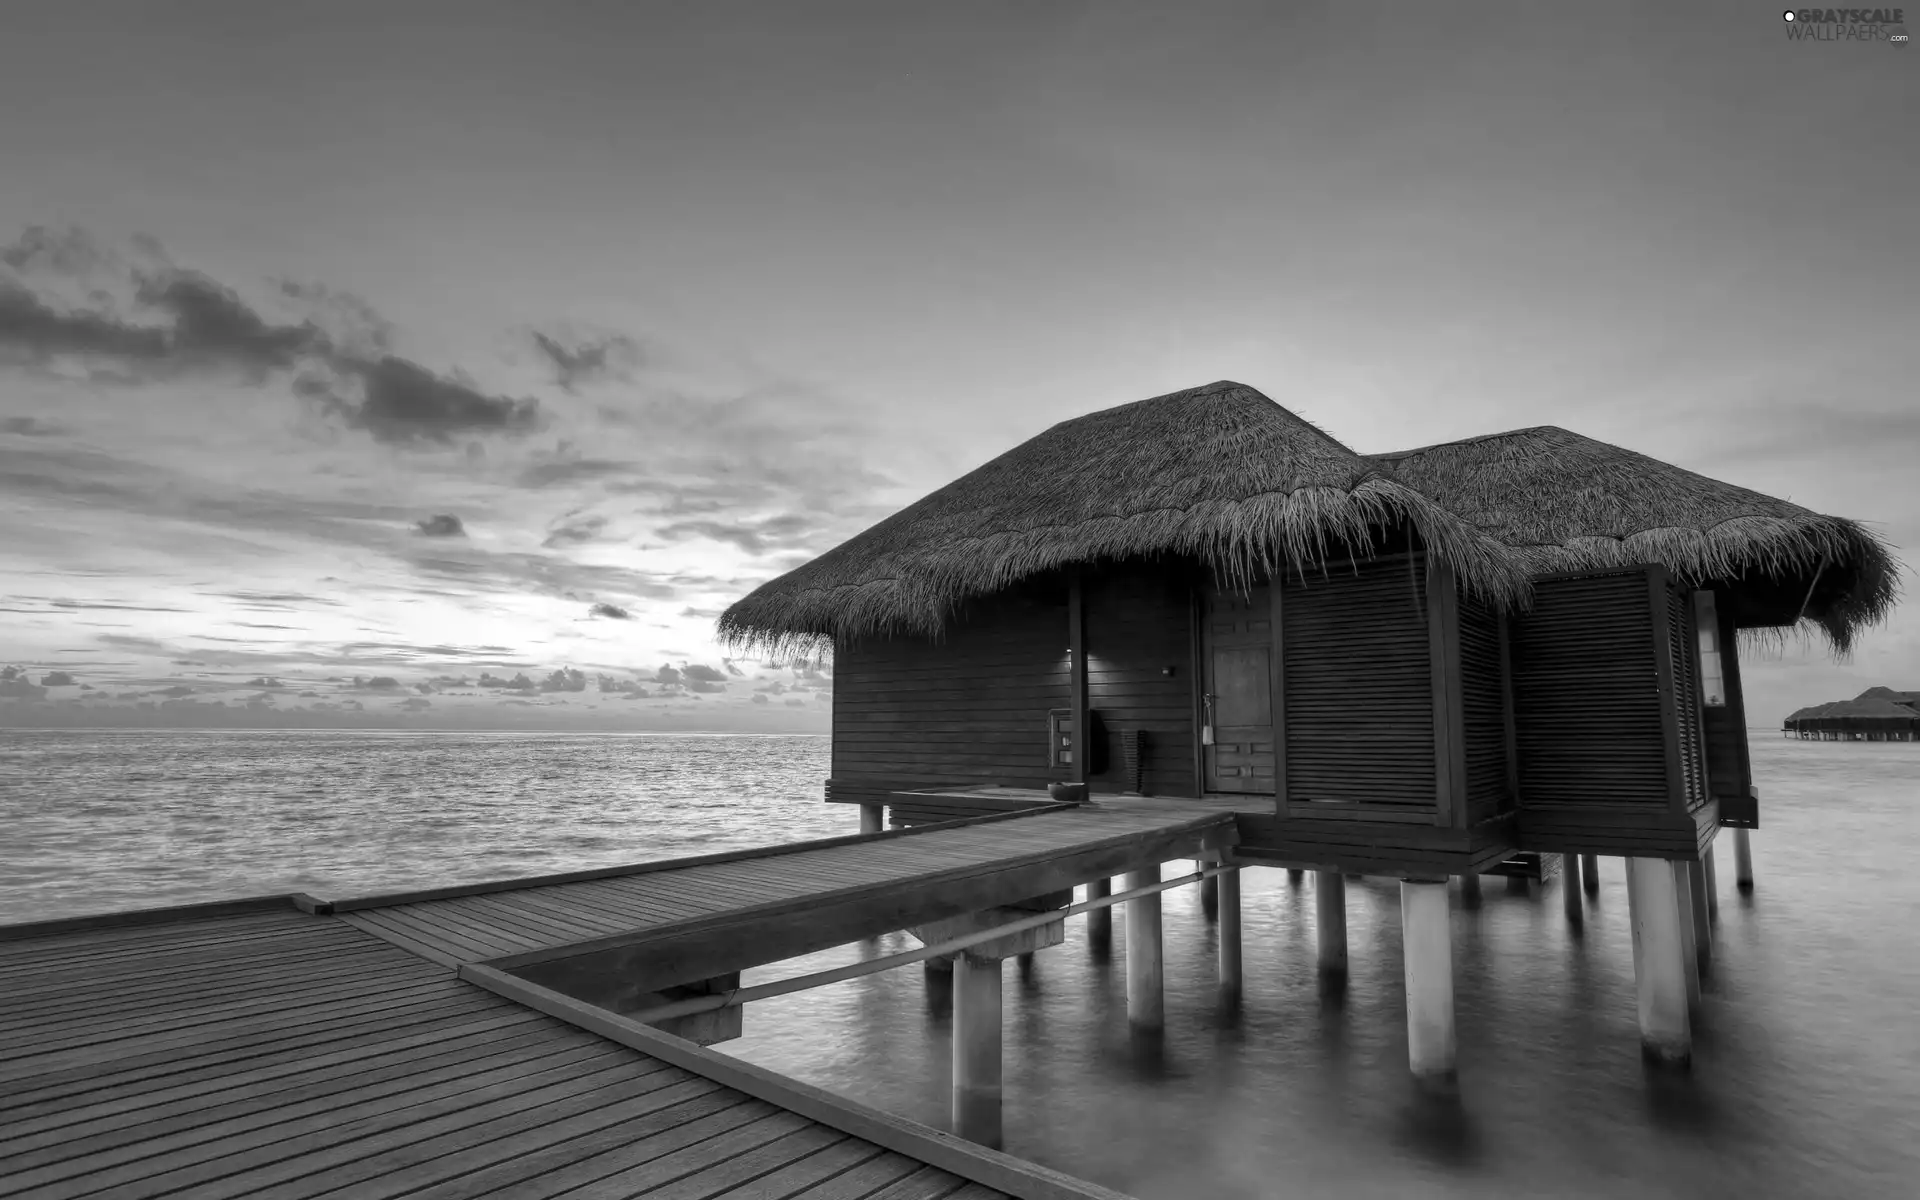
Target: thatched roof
<point x="1859" y="710"/>
<point x="1910" y="699"/>
<point x="1219" y="473"/>
<point x="1566" y="502"/>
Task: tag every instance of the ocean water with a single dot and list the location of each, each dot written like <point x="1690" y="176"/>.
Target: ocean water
<point x="1807" y="1074"/>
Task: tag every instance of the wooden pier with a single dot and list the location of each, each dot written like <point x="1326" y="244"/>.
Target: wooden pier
<point x="478" y="1040"/>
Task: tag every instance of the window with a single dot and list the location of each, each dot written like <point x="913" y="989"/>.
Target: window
<point x="1713" y="687"/>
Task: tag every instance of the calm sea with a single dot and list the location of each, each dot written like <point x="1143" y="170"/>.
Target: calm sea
<point x="1807" y="1076"/>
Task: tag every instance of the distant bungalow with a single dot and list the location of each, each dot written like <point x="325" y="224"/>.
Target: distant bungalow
<point x="1878" y="714"/>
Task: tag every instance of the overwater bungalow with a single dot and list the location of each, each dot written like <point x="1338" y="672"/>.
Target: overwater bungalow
<point x="1414" y="664"/>
<point x="1876" y="715"/>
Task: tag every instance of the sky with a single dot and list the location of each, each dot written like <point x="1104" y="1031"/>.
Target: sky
<point x="456" y="364"/>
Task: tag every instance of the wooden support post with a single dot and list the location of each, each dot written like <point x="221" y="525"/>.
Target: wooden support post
<point x="1293" y="875"/>
<point x="1230" y="975"/>
<point x="1330" y="891"/>
<point x="1209" y="892"/>
<point x="1146" y="995"/>
<point x="976" y="1049"/>
<point x="1742" y="861"/>
<point x="1427" y="946"/>
<point x="1100" y="920"/>
<point x="1470" y="889"/>
<point x="1659" y="969"/>
<point x="1590" y="874"/>
<point x="1713" y="884"/>
<point x="1690" y="950"/>
<point x="1702" y="928"/>
<point x="1570" y="886"/>
<point x="873" y="818"/>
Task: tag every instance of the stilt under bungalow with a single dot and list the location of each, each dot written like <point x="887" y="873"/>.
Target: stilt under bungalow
<point x="1330" y="918"/>
<point x="1427" y="951"/>
<point x="1570" y="886"/>
<point x="1470" y="889"/>
<point x="1146" y="958"/>
<point x="1742" y="861"/>
<point x="1659" y="967"/>
<point x="1590" y="874"/>
<point x="1100" y="920"/>
<point x="1230" y="981"/>
<point x="1700" y="906"/>
<point x="1713" y="883"/>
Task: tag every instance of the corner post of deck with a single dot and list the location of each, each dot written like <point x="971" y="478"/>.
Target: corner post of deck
<point x="1659" y="969"/>
<point x="1742" y="861"/>
<point x="1590" y="874"/>
<point x="976" y="1049"/>
<point x="1702" y="910"/>
<point x="1427" y="948"/>
<point x="873" y="818"/>
<point x="1229" y="946"/>
<point x="1146" y="994"/>
<point x="1330" y="896"/>
<point x="1570" y="887"/>
<point x="1209" y="891"/>
<point x="1100" y="920"/>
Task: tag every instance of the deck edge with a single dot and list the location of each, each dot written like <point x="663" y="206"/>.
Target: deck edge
<point x="991" y="1168"/>
<point x="297" y="901"/>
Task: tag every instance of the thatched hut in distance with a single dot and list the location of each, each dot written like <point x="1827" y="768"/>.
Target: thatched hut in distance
<point x="1877" y="715"/>
<point x="1427" y="660"/>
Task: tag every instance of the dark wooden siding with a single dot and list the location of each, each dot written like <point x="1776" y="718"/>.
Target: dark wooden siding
<point x="1586" y="695"/>
<point x="1729" y="772"/>
<point x="1684" y="646"/>
<point x="967" y="709"/>
<point x="1139" y="624"/>
<point x="1484" y="714"/>
<point x="1358" y="688"/>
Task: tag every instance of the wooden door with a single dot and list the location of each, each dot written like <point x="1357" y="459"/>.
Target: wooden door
<point x="1237" y="710"/>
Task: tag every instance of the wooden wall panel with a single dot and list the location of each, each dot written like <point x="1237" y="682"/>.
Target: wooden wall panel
<point x="1359" y="688"/>
<point x="1139" y="623"/>
<point x="1484" y="712"/>
<point x="966" y="709"/>
<point x="1586" y="695"/>
<point x="1729" y="769"/>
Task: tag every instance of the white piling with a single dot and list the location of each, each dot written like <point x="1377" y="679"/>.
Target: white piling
<point x="1742" y="861"/>
<point x="1427" y="947"/>
<point x="976" y="1050"/>
<point x="1659" y="972"/>
<point x="1146" y="994"/>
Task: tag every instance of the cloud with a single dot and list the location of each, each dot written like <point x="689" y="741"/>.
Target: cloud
<point x="667" y="675"/>
<point x="400" y="402"/>
<point x="442" y="525"/>
<point x="760" y="698"/>
<point x="14" y="685"/>
<point x="794" y="702"/>
<point x="177" y="691"/>
<point x="629" y="688"/>
<point x="576" y="359"/>
<point x="702" y="673"/>
<point x="787" y="532"/>
<point x="574" y="529"/>
<point x="56" y="679"/>
<point x="519" y="683"/>
<point x="415" y="703"/>
<point x="731" y="669"/>
<point x="30" y="427"/>
<point x="566" y="679"/>
<point x="379" y="683"/>
<point x="613" y="611"/>
<point x="264" y="681"/>
<point x="198" y="326"/>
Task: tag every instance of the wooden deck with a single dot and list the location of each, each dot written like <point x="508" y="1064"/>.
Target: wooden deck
<point x="662" y="924"/>
<point x="253" y="1049"/>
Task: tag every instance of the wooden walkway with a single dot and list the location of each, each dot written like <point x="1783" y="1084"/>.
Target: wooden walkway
<point x="253" y="1049"/>
<point x="674" y="922"/>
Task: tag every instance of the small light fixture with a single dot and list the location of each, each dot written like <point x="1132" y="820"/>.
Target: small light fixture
<point x="1167" y="671"/>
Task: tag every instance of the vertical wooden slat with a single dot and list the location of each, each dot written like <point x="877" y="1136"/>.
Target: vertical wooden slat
<point x="1449" y="743"/>
<point x="1278" y="670"/>
<point x="1669" y="700"/>
<point x="1196" y="651"/>
<point x="1077" y="647"/>
<point x="1506" y="704"/>
<point x="1739" y="788"/>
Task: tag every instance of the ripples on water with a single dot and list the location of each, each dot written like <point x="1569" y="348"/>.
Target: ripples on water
<point x="1807" y="1076"/>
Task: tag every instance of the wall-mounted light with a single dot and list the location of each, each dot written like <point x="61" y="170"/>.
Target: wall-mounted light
<point x="1167" y="671"/>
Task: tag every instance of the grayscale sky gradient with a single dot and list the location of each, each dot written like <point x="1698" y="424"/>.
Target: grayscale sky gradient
<point x="503" y="338"/>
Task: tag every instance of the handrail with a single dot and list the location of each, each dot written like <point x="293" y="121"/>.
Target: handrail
<point x="735" y="997"/>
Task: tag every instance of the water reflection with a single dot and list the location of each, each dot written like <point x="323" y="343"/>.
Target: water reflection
<point x="1805" y="1079"/>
